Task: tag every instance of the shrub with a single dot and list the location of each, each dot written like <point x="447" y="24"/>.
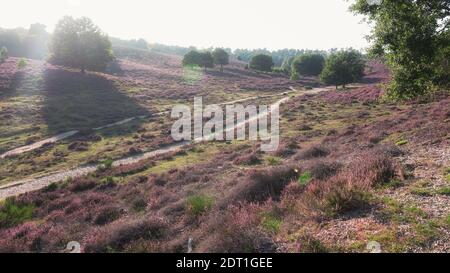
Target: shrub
<point x="107" y="215"/>
<point x="242" y="233"/>
<point x="22" y="64"/>
<point x="322" y="170"/>
<point x="83" y="185"/>
<point x="199" y="204"/>
<point x="249" y="159"/>
<point x="262" y="62"/>
<point x="308" y="64"/>
<point x="3" y="54"/>
<point x="119" y="234"/>
<point x="343" y="68"/>
<point x="260" y="185"/>
<point x="13" y="213"/>
<point x="51" y="187"/>
<point x="348" y="189"/>
<point x="313" y="152"/>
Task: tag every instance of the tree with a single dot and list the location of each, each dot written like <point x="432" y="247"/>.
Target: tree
<point x="192" y="58"/>
<point x="78" y="43"/>
<point x="287" y="64"/>
<point x="414" y="38"/>
<point x="195" y="58"/>
<point x="3" y="54"/>
<point x="308" y="64"/>
<point x="206" y="60"/>
<point x="221" y="57"/>
<point x="343" y="67"/>
<point x="262" y="62"/>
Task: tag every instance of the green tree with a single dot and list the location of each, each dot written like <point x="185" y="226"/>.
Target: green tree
<point x="78" y="43"/>
<point x="343" y="67"/>
<point x="221" y="57"/>
<point x="287" y="64"/>
<point x="414" y="38"/>
<point x="262" y="62"/>
<point x="308" y="64"/>
<point x="192" y="58"/>
<point x="3" y="54"/>
<point x="206" y="60"/>
<point x="201" y="59"/>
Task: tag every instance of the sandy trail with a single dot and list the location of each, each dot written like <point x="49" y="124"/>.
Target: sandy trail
<point x="62" y="136"/>
<point x="33" y="184"/>
<point x="36" y="183"/>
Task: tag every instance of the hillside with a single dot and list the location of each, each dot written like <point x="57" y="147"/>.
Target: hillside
<point x="351" y="168"/>
<point x="135" y="89"/>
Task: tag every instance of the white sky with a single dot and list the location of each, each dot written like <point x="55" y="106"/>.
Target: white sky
<point x="272" y="24"/>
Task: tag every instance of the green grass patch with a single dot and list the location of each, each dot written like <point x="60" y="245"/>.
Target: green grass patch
<point x="401" y="142"/>
<point x="305" y="178"/>
<point x="12" y="213"/>
<point x="273" y="161"/>
<point x="199" y="204"/>
<point x="422" y="192"/>
<point x="271" y="223"/>
<point x="443" y="191"/>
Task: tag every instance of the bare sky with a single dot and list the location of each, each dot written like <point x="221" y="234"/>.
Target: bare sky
<point x="272" y="24"/>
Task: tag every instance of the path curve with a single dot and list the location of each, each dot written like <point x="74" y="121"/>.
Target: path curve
<point x="33" y="184"/>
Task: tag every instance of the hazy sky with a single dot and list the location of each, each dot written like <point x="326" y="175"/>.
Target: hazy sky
<point x="273" y="24"/>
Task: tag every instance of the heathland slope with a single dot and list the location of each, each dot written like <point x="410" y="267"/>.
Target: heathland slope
<point x="351" y="169"/>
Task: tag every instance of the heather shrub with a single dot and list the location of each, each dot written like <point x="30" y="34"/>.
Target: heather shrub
<point x="248" y="159"/>
<point x="260" y="185"/>
<point x="13" y="213"/>
<point x="116" y="236"/>
<point x="83" y="185"/>
<point x="323" y="169"/>
<point x="139" y="204"/>
<point x="347" y="190"/>
<point x="199" y="204"/>
<point x="107" y="215"/>
<point x="50" y="188"/>
<point x="242" y="233"/>
<point x="313" y="152"/>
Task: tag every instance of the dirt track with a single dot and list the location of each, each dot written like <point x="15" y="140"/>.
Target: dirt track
<point x="27" y="185"/>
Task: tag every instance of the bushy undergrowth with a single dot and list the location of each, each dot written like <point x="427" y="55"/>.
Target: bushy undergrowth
<point x="116" y="236"/>
<point x="13" y="213"/>
<point x="199" y="204"/>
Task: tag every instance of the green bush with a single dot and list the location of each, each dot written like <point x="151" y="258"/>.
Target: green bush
<point x="3" y="54"/>
<point x="12" y="213"/>
<point x="262" y="62"/>
<point x="343" y="67"/>
<point x="22" y="64"/>
<point x="199" y="204"/>
<point x="308" y="64"/>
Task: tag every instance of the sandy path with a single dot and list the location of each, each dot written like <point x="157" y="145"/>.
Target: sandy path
<point x="32" y="184"/>
<point x="39" y="144"/>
